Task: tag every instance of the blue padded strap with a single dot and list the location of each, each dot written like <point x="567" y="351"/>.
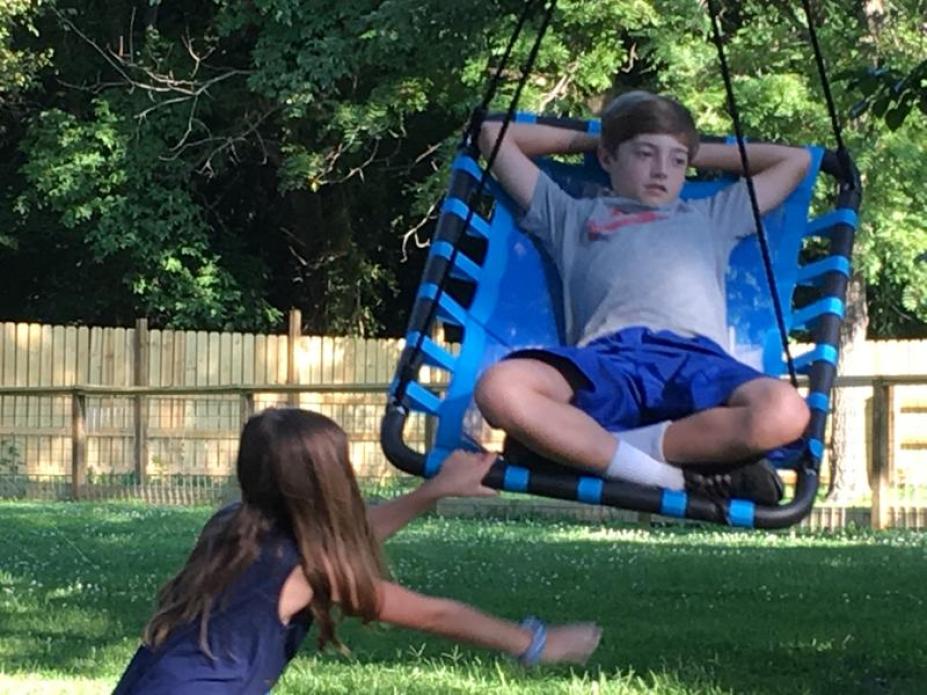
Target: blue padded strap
<point x="434" y="460"/>
<point x="816" y="447"/>
<point x="455" y="206"/>
<point x="467" y="164"/>
<point x="674" y="503"/>
<point x="827" y="220"/>
<point x="448" y="309"/>
<point x="525" y="117"/>
<point x="422" y="399"/>
<point x="826" y="353"/>
<point x="828" y="305"/>
<point x="831" y="264"/>
<point x="741" y="513"/>
<point x="516" y="479"/>
<point x="435" y="355"/>
<point x="589" y="490"/>
<point x="818" y="400"/>
<point x="463" y="267"/>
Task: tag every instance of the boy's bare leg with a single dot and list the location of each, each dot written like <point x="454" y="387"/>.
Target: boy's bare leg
<point x="530" y="400"/>
<point x="761" y="415"/>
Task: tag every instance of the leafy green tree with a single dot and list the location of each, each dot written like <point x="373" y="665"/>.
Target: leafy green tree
<point x="221" y="161"/>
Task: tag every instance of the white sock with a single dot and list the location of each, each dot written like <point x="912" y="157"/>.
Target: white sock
<point x="633" y="465"/>
<point x="648" y="439"/>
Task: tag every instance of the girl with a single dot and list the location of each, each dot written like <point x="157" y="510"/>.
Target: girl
<point x="299" y="544"/>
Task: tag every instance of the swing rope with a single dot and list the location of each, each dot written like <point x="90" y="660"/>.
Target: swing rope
<point x="825" y="82"/>
<point x="757" y="216"/>
<point x="470" y="136"/>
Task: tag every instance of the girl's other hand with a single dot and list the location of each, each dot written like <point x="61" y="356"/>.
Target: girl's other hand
<point x="462" y="474"/>
<point x="571" y="643"/>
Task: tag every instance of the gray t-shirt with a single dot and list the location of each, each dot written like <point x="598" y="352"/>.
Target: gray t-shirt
<point x="624" y="263"/>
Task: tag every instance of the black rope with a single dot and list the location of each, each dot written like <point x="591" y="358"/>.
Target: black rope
<point x="757" y="217"/>
<point x="472" y="131"/>
<point x="825" y="83"/>
<point x="470" y="135"/>
<point x="843" y="155"/>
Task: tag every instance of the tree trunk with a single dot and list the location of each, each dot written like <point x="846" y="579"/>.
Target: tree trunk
<point x="849" y="454"/>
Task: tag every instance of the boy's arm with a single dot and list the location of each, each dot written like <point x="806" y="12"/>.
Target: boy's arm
<point x="513" y="166"/>
<point x="776" y="169"/>
<point x="461" y="475"/>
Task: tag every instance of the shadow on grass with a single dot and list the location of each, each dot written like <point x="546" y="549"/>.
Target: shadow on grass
<point x="744" y="612"/>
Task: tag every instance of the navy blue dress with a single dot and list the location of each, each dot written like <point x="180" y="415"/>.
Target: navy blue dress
<point x="250" y="645"/>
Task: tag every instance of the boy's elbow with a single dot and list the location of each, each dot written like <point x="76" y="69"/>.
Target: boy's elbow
<point x="803" y="160"/>
<point x="489" y="133"/>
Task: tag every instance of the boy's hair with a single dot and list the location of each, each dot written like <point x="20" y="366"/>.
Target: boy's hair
<point x="639" y="112"/>
<point x="295" y="473"/>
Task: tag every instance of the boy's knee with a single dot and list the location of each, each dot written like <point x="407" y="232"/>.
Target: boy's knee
<point x="504" y="395"/>
<point x="493" y="393"/>
<point x="782" y="419"/>
<point x="792" y="414"/>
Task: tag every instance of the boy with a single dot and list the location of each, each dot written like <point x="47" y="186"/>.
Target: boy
<point x="645" y="393"/>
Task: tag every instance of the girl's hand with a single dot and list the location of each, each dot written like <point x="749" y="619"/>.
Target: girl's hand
<point x="571" y="643"/>
<point x="461" y="475"/>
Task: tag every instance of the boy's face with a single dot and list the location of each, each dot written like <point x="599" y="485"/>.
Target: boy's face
<point x="650" y="168"/>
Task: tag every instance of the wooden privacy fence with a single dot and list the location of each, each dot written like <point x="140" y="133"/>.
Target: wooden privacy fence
<point x="164" y="406"/>
<point x="32" y="427"/>
<point x="884" y="512"/>
<point x="198" y="482"/>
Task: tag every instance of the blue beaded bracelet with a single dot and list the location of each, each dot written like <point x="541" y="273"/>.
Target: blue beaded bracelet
<point x="532" y="655"/>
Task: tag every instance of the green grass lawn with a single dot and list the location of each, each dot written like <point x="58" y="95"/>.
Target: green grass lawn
<point x="684" y="610"/>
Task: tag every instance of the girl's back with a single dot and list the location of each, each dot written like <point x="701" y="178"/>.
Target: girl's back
<point x="250" y="646"/>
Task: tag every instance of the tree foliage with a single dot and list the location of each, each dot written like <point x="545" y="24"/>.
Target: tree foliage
<point x="895" y="84"/>
<point x="211" y="163"/>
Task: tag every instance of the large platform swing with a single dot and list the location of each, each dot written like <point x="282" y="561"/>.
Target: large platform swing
<point x="499" y="292"/>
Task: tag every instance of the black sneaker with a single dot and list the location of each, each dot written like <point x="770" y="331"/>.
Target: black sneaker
<point x="757" y="482"/>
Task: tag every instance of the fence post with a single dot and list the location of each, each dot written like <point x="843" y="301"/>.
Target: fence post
<point x="294" y="331"/>
<point x="431" y="424"/>
<point x="245" y="408"/>
<point x="141" y="378"/>
<point x="882" y="432"/>
<point x="78" y="443"/>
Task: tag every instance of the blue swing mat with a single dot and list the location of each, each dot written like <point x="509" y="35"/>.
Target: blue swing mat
<point x="504" y="295"/>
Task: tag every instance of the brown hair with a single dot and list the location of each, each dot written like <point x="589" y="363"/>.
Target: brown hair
<point x="639" y="112"/>
<point x="294" y="470"/>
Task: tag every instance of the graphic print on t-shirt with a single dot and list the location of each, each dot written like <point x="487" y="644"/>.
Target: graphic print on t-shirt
<point x="618" y="219"/>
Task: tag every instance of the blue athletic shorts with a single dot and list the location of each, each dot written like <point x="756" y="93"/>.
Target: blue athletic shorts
<point x="636" y="376"/>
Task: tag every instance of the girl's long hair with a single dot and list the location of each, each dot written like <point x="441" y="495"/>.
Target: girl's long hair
<point x="294" y="471"/>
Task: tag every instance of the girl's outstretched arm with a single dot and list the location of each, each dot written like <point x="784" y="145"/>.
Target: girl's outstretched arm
<point x="457" y="621"/>
<point x="460" y="475"/>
